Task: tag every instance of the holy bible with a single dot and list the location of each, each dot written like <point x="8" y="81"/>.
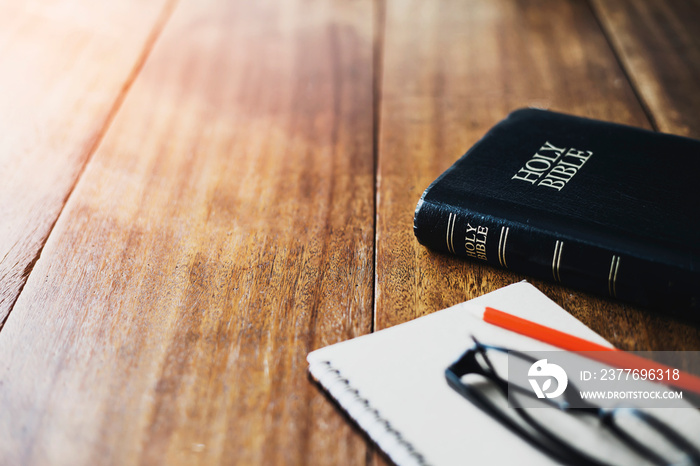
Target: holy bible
<point x="598" y="206"/>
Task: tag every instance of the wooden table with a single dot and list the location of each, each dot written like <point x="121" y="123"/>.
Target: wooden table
<point x="197" y="193"/>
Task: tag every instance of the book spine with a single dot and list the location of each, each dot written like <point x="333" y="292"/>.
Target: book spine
<point x="546" y="254"/>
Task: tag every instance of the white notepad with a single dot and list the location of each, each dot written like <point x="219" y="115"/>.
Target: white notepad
<point x="392" y="382"/>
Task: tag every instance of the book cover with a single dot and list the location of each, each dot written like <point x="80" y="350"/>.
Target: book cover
<point x="598" y="206"/>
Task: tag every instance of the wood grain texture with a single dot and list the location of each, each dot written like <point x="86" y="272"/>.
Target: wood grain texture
<point x="223" y="229"/>
<point x="658" y="42"/>
<point x="63" y="67"/>
<point x="452" y="70"/>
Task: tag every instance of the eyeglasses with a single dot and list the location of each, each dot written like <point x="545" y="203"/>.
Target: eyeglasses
<point x="583" y="436"/>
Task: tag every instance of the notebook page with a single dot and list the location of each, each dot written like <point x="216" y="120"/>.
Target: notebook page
<point x="392" y="382"/>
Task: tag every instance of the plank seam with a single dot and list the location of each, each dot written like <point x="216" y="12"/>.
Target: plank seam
<point x="151" y="40"/>
<point x="377" y="76"/>
<point x="607" y="34"/>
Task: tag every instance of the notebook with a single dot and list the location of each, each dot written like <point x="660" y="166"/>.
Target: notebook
<point x="392" y="382"/>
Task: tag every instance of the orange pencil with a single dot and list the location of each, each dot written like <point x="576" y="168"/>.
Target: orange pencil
<point x="604" y="354"/>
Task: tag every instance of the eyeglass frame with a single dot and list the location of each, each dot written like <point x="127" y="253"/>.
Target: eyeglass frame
<point x="468" y="364"/>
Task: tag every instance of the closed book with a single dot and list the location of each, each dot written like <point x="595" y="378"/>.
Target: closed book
<point x="598" y="206"/>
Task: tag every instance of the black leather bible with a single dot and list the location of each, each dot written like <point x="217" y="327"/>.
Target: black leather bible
<point x="601" y="207"/>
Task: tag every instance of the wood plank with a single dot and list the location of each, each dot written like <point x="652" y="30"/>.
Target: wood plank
<point x="63" y="69"/>
<point x="452" y="70"/>
<point x="223" y="229"/>
<point x="658" y="42"/>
